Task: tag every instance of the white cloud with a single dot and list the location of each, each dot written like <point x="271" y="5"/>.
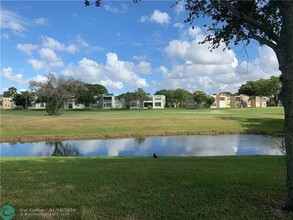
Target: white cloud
<point x="179" y="7"/>
<point x="196" y="68"/>
<point x="27" y="48"/>
<point x="143" y="67"/>
<point x="178" y="25"/>
<point x="72" y="49"/>
<point x="41" y="21"/>
<point x="92" y="72"/>
<point x="38" y="78"/>
<point x="81" y="41"/>
<point x="113" y="74"/>
<point x="37" y="64"/>
<point x="112" y="84"/>
<point x="13" y="21"/>
<point x="140" y="57"/>
<point x="51" y="43"/>
<point x="48" y="54"/>
<point x="7" y="74"/>
<point x="198" y="53"/>
<point x="124" y="71"/>
<point x="159" y="17"/>
<point x="114" y="10"/>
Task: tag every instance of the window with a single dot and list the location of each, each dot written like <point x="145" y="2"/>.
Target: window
<point x="108" y="105"/>
<point x="222" y="98"/>
<point x="157" y="98"/>
<point x="109" y="98"/>
<point x="158" y="104"/>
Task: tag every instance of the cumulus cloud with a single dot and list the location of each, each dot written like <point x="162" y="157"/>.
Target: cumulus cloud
<point x="114" y="73"/>
<point x="51" y="43"/>
<point x="51" y="57"/>
<point x="196" y="68"/>
<point x="27" y="48"/>
<point x="8" y="74"/>
<point x="124" y="71"/>
<point x="158" y="17"/>
<point x="179" y="8"/>
<point x="92" y="72"/>
<point x="143" y="67"/>
<point x="48" y="54"/>
<point x="37" y="64"/>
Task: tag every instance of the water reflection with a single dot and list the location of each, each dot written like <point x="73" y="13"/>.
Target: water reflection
<point x="199" y="145"/>
<point x="61" y="149"/>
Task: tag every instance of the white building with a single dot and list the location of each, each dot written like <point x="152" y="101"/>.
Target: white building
<point x="155" y="101"/>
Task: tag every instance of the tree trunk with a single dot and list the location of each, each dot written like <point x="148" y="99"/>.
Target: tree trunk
<point x="284" y="52"/>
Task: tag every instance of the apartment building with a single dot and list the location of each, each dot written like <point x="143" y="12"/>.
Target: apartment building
<point x="221" y="101"/>
<point x="155" y="101"/>
<point x="6" y="103"/>
<point x="109" y="101"/>
<point x="239" y="101"/>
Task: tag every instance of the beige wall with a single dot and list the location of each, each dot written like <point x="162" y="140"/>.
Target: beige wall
<point x="5" y="103"/>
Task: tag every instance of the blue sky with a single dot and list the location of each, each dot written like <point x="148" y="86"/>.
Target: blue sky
<point x="122" y="46"/>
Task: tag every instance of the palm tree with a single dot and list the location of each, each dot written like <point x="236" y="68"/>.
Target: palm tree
<point x="141" y="96"/>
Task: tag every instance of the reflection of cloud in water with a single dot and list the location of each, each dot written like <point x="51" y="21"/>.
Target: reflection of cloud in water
<point x="202" y="145"/>
<point x="115" y="147"/>
<point x="41" y="148"/>
<point x="85" y="147"/>
<point x="198" y="145"/>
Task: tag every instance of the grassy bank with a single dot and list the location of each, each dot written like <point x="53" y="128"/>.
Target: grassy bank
<point x="249" y="187"/>
<point x="36" y="125"/>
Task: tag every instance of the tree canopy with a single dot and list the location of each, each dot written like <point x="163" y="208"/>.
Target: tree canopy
<point x="55" y="90"/>
<point x="90" y="94"/>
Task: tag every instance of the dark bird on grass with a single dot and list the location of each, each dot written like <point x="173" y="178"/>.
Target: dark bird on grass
<point x="155" y="156"/>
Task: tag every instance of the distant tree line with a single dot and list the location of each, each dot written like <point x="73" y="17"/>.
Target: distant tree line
<point x="263" y="87"/>
<point x="56" y="90"/>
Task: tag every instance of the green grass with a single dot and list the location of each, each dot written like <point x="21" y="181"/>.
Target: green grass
<point x="248" y="187"/>
<point x="36" y="125"/>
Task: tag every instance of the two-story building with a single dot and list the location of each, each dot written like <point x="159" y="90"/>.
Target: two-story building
<point x="155" y="102"/>
<point x="6" y="103"/>
<point x="221" y="101"/>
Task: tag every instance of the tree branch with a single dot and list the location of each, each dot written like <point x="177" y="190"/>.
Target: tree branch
<point x="251" y="21"/>
<point x="262" y="40"/>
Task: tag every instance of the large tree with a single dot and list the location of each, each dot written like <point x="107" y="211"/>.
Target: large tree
<point x="23" y="99"/>
<point x="90" y="94"/>
<point x="10" y="92"/>
<point x="127" y="98"/>
<point x="141" y="96"/>
<point x="174" y="97"/>
<point x="262" y="87"/>
<point x="268" y="22"/>
<point x="55" y="90"/>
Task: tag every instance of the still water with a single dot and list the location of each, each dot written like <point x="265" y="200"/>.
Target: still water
<point x="197" y="145"/>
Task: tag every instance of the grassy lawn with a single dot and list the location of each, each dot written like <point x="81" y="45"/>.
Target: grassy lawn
<point x="248" y="187"/>
<point x="36" y="125"/>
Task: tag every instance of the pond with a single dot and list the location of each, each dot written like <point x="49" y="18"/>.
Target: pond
<point x="196" y="145"/>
